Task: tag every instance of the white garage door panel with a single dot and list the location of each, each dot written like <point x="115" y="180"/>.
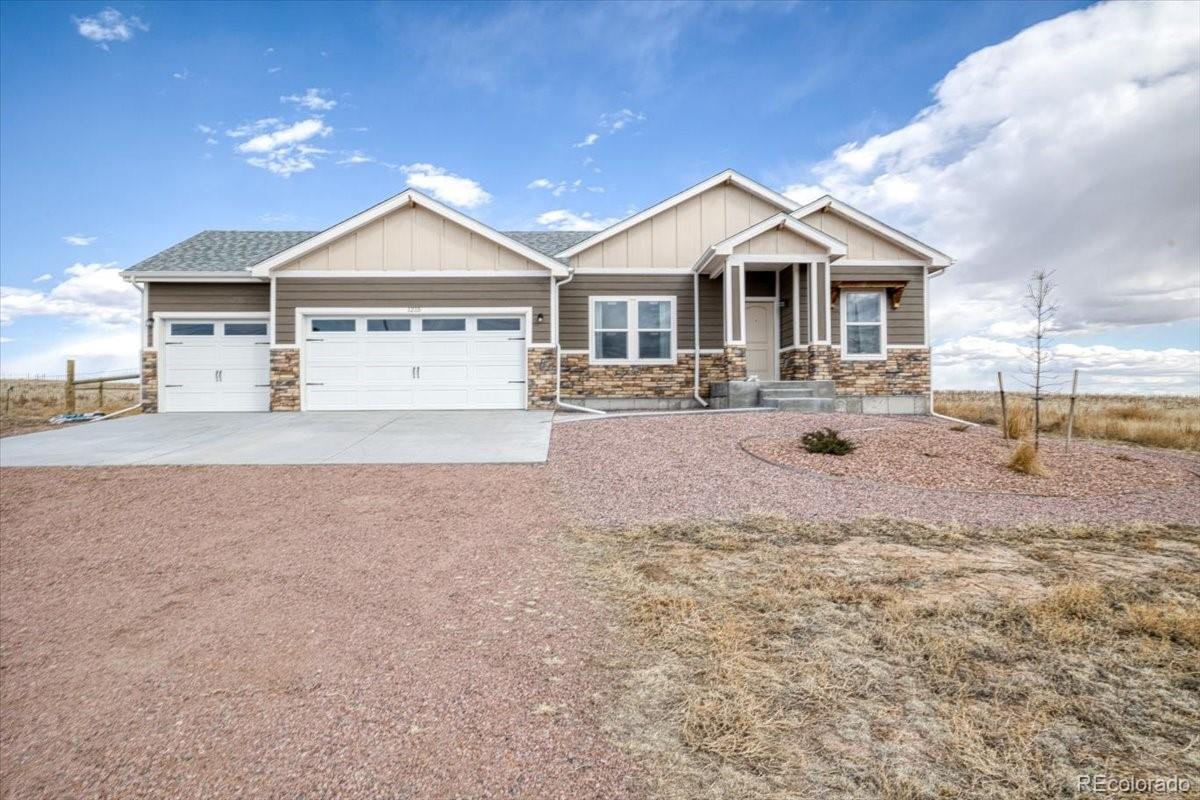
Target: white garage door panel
<point x="414" y="368"/>
<point x="214" y="371"/>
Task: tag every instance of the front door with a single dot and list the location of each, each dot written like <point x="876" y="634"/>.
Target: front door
<point x="760" y="340"/>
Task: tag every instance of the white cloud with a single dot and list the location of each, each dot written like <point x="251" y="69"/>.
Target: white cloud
<point x="312" y="99"/>
<point x="95" y="350"/>
<point x="445" y="186"/>
<point x="181" y="76"/>
<point x="45" y="276"/>
<point x="1047" y="150"/>
<point x="206" y="129"/>
<point x="109" y="25"/>
<point x="285" y="137"/>
<point x="282" y="151"/>
<point x="588" y="140"/>
<point x="615" y="121"/>
<point x="561" y="219"/>
<point x="273" y="70"/>
<point x="556" y="188"/>
<point x="973" y="361"/>
<point x="248" y="128"/>
<point x="92" y="292"/>
<point x="357" y="157"/>
<point x="79" y="240"/>
<point x="5" y="339"/>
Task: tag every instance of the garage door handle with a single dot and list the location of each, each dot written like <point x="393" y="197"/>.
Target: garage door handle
<point x="516" y="381"/>
<point x="314" y="340"/>
<point x="172" y="342"/>
<point x="173" y="386"/>
<point x="314" y="384"/>
<point x="262" y="386"/>
<point x="516" y="338"/>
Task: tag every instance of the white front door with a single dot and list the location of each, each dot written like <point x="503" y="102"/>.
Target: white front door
<point x="402" y="361"/>
<point x="760" y="340"/>
<point x="214" y="364"/>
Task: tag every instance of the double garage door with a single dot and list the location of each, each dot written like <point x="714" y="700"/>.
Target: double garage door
<point x="348" y="363"/>
<point x="398" y="361"/>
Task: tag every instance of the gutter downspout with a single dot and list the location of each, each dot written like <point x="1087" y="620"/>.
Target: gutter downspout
<point x="558" y="354"/>
<point x="696" y="340"/>
<point x="141" y="287"/>
<point x="933" y="413"/>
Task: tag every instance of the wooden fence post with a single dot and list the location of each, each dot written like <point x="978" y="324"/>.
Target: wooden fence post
<point x="69" y="389"/>
<point x="100" y="396"/>
<point x="1003" y="405"/>
<point x="1071" y="409"/>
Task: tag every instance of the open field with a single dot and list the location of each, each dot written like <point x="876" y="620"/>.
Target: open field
<point x="776" y="659"/>
<point x="25" y="405"/>
<point x="1170" y="421"/>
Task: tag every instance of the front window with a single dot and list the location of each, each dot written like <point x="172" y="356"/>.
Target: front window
<point x="633" y="329"/>
<point x="864" y="321"/>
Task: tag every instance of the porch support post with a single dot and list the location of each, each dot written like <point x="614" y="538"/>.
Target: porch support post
<point x="735" y="322"/>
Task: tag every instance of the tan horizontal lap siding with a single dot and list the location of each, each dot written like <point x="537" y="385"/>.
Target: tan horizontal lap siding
<point x="206" y="298"/>
<point x="573" y="309"/>
<point x="906" y="324"/>
<point x="401" y="293"/>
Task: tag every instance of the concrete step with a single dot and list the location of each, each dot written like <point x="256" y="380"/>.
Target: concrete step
<point x="781" y="394"/>
<point x="818" y="388"/>
<point x="813" y="405"/>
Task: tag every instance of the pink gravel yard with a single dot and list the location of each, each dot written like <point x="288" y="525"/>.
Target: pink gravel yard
<point x="407" y="631"/>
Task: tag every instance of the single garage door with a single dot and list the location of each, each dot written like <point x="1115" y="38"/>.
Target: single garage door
<point x="398" y="361"/>
<point x="215" y="365"/>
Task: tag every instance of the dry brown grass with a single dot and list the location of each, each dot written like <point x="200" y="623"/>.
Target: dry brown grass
<point x="1025" y="460"/>
<point x="775" y="659"/>
<point x="25" y="405"/>
<point x="1172" y="422"/>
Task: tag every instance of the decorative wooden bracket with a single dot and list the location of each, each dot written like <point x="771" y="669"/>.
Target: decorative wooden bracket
<point x="895" y="289"/>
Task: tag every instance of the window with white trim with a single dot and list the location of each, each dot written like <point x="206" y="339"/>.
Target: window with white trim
<point x="863" y="325"/>
<point x="633" y="329"/>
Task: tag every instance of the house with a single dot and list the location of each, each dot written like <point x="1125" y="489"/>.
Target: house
<point x="412" y="304"/>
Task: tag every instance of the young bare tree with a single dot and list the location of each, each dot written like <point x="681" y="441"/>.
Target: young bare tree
<point x="1041" y="306"/>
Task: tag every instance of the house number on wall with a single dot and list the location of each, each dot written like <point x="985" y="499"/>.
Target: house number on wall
<point x="414" y="309"/>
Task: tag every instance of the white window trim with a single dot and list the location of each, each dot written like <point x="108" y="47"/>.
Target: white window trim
<point x="160" y="318"/>
<point x="632" y="327"/>
<point x="883" y="342"/>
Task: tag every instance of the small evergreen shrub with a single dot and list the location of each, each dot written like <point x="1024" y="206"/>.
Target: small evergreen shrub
<point x="827" y="441"/>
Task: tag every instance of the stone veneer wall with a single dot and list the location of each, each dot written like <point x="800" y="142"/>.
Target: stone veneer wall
<point x="149" y="381"/>
<point x="905" y="371"/>
<point x="285" y="379"/>
<point x="735" y="363"/>
<point x="539" y="378"/>
<point x="580" y="378"/>
<point x="793" y="364"/>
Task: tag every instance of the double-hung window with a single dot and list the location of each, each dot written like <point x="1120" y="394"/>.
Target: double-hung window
<point x="633" y="329"/>
<point x="864" y="326"/>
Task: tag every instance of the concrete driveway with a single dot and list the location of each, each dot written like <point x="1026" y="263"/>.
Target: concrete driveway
<point x="325" y="437"/>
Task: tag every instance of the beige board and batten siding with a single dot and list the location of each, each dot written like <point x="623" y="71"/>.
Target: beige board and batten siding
<point x="206" y="299"/>
<point x="860" y="242"/>
<point x="408" y="239"/>
<point x="573" y="305"/>
<point x="676" y="236"/>
<point x="779" y="242"/>
<point x="906" y="324"/>
<point x="401" y="293"/>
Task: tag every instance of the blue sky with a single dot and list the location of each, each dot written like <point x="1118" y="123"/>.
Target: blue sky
<point x="134" y="125"/>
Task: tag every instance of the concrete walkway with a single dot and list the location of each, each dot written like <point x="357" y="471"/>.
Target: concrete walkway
<point x="325" y="437"/>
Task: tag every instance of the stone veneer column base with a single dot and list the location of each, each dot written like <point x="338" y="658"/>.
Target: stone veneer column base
<point x="149" y="381"/>
<point x="285" y="379"/>
<point x="539" y="378"/>
<point x="735" y="363"/>
<point x="793" y="364"/>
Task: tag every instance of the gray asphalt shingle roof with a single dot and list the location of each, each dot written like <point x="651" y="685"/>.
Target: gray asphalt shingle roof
<point x="549" y="242"/>
<point x="236" y="251"/>
<point x="221" y="251"/>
